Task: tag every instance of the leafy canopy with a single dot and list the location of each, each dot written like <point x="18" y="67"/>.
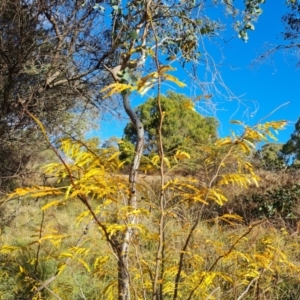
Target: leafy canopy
<point x="291" y="149"/>
<point x="182" y="128"/>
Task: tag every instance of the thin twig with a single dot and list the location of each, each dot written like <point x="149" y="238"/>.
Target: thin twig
<point x="39" y="244"/>
<point x="224" y="255"/>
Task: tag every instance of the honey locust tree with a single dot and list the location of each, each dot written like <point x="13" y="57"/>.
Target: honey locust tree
<point x="196" y="259"/>
<point x="151" y="28"/>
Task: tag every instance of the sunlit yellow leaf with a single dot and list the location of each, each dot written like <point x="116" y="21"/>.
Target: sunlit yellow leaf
<point x="53" y="203"/>
<point x="61" y="268"/>
<point x="217" y="196"/>
<point x="230" y="217"/>
<point x="100" y="261"/>
<point x="116" y="88"/>
<point x="223" y="142"/>
<point x="167" y="162"/>
<point x="66" y="254"/>
<point x="85" y="264"/>
<point x="109" y="291"/>
<point x="181" y="155"/>
<point x="53" y="237"/>
<point x="39" y="191"/>
<point x="245" y="148"/>
<point x="174" y="79"/>
<point x="189" y="104"/>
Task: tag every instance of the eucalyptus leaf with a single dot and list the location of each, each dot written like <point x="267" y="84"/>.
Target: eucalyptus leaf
<point x="133" y="34"/>
<point x="127" y="77"/>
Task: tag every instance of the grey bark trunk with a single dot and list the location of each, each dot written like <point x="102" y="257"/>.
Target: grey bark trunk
<point x="123" y="264"/>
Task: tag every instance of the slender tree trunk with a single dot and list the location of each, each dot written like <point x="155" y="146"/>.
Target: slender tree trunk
<point x="123" y="251"/>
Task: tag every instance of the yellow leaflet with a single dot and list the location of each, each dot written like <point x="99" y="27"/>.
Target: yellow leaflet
<point x="232" y="216"/>
<point x="136" y="212"/>
<point x="53" y="237"/>
<point x="134" y="50"/>
<point x="245" y="148"/>
<point x="36" y="191"/>
<point x="66" y="254"/>
<point x="249" y="143"/>
<point x="223" y="142"/>
<point x="180" y="155"/>
<point x="147" y="82"/>
<point x="208" y="278"/>
<point x="179" y="83"/>
<point x="170" y="182"/>
<point x="116" y="88"/>
<point x="67" y="194"/>
<point x="112" y="229"/>
<point x="167" y="162"/>
<point x="191" y="187"/>
<point x="168" y="288"/>
<point x="143" y="85"/>
<point x="227" y="218"/>
<point x="240" y="179"/>
<point x="61" y="268"/>
<point x="41" y="126"/>
<point x="274" y="125"/>
<point x="254" y="135"/>
<point x="163" y="69"/>
<point x="83" y="159"/>
<point x="53" y="203"/>
<point x="80" y="250"/>
<point x="49" y="168"/>
<point x="255" y="179"/>
<point x="272" y="136"/>
<point x="155" y="159"/>
<point x="150" y="52"/>
<point x="22" y="270"/>
<point x="85" y="264"/>
<point x="100" y="261"/>
<point x="237" y="254"/>
<point x="109" y="291"/>
<point x="217" y="196"/>
<point x="113" y="156"/>
<point x="189" y="105"/>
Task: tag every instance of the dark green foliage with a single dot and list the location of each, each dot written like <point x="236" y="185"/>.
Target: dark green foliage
<point x="270" y="157"/>
<point x="183" y="128"/>
<point x="37" y="74"/>
<point x="279" y="204"/>
<point x="292" y="26"/>
<point x="291" y="149"/>
<point x="278" y="156"/>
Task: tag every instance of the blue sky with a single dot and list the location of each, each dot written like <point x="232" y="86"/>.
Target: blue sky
<point x="261" y="88"/>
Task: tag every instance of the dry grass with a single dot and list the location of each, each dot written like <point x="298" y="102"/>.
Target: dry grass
<point x="210" y="241"/>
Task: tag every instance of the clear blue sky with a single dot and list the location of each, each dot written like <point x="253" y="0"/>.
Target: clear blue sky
<point x="261" y="88"/>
